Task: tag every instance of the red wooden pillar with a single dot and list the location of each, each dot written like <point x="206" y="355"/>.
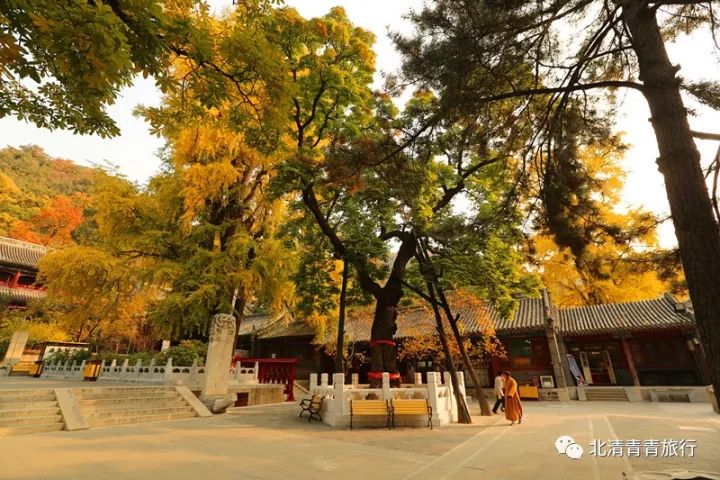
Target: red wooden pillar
<point x="495" y="367"/>
<point x="16" y="279"/>
<point x="629" y="360"/>
<point x="291" y="383"/>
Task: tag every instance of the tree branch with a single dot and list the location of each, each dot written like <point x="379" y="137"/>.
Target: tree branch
<point x="705" y="135"/>
<point x="449" y="193"/>
<point x="570" y="88"/>
<point x="367" y="283"/>
<point x="416" y="291"/>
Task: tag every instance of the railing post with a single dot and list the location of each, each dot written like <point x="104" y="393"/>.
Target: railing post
<point x="168" y="371"/>
<point x="339" y="393"/>
<point x="461" y="384"/>
<point x="386" y="393"/>
<point x="291" y="382"/>
<point x="432" y="388"/>
<point x="418" y="378"/>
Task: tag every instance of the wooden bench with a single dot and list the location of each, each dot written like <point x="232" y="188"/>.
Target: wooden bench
<point x="529" y="391"/>
<point x="366" y="408"/>
<point x="313" y="406"/>
<point x="410" y="407"/>
<point x="22" y="368"/>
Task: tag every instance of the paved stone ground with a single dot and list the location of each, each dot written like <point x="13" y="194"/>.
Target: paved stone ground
<point x="270" y="442"/>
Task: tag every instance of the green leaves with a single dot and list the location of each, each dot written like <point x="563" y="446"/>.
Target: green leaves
<point x="64" y="63"/>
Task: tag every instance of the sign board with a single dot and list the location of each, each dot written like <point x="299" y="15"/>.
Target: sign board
<point x="575" y="370"/>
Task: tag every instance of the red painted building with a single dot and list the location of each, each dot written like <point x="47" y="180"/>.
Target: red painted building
<point x="18" y="270"/>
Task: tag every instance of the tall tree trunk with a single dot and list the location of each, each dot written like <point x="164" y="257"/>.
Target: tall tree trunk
<point x="426" y="269"/>
<point x="695" y="225"/>
<point x="482" y="401"/>
<point x="238" y="309"/>
<point x="340" y="348"/>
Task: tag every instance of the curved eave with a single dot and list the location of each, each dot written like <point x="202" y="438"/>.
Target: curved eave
<point x="629" y="329"/>
<point x="21" y="296"/>
<point x="19" y="254"/>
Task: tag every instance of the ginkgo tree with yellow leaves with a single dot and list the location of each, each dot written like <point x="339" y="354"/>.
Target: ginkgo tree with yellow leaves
<point x="615" y="254"/>
<point x="220" y="125"/>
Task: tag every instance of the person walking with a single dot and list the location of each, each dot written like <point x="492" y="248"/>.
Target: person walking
<point x="499" y="391"/>
<point x="513" y="407"/>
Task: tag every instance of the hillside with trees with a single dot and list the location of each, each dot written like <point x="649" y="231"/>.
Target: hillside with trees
<point x="42" y="198"/>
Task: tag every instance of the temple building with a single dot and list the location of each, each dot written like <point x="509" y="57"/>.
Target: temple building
<point x="642" y="343"/>
<point x="18" y="270"/>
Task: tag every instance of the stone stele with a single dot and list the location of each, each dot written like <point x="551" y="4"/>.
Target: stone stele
<point x="217" y="365"/>
<point x="16" y="348"/>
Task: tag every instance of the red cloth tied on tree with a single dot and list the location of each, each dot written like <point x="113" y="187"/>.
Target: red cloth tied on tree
<point x="390" y="343"/>
<point x="375" y="375"/>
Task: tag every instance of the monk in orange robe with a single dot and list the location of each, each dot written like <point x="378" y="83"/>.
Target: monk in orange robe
<point x="513" y="407"/>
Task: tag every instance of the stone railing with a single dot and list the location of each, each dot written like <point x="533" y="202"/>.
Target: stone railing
<point x="151" y="374"/>
<point x="66" y="371"/>
<point x="191" y="376"/>
<point x="337" y="397"/>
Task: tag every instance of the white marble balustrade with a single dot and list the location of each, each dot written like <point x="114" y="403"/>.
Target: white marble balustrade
<point x="338" y="395"/>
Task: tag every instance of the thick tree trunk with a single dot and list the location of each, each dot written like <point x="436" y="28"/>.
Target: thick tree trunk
<point x="695" y="225"/>
<point x="340" y="350"/>
<point x="383" y="352"/>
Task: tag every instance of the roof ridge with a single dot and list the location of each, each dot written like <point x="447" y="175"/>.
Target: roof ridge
<point x="615" y="304"/>
<point x="23" y="243"/>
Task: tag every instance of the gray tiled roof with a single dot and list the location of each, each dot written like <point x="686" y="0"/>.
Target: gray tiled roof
<point x="273" y="326"/>
<point x="529" y="317"/>
<point x="16" y="253"/>
<point x="660" y="313"/>
<point x="419" y="321"/>
<point x="664" y="312"/>
<point x="21" y="295"/>
<point x="411" y="321"/>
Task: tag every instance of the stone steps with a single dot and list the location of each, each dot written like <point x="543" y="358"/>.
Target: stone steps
<point x="30" y="420"/>
<point x="28" y="411"/>
<point x="102" y="407"/>
<point x="15" y="396"/>
<point x="130" y="393"/>
<point x="135" y="412"/>
<point x="24" y="412"/>
<point x="606" y="394"/>
<point x="109" y="402"/>
<point x="21" y="405"/>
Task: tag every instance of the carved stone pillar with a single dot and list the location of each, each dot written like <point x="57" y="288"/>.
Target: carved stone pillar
<point x="217" y="365"/>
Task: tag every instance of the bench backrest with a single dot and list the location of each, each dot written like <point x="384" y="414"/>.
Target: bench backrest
<point x="368" y="407"/>
<point x="410" y="406"/>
